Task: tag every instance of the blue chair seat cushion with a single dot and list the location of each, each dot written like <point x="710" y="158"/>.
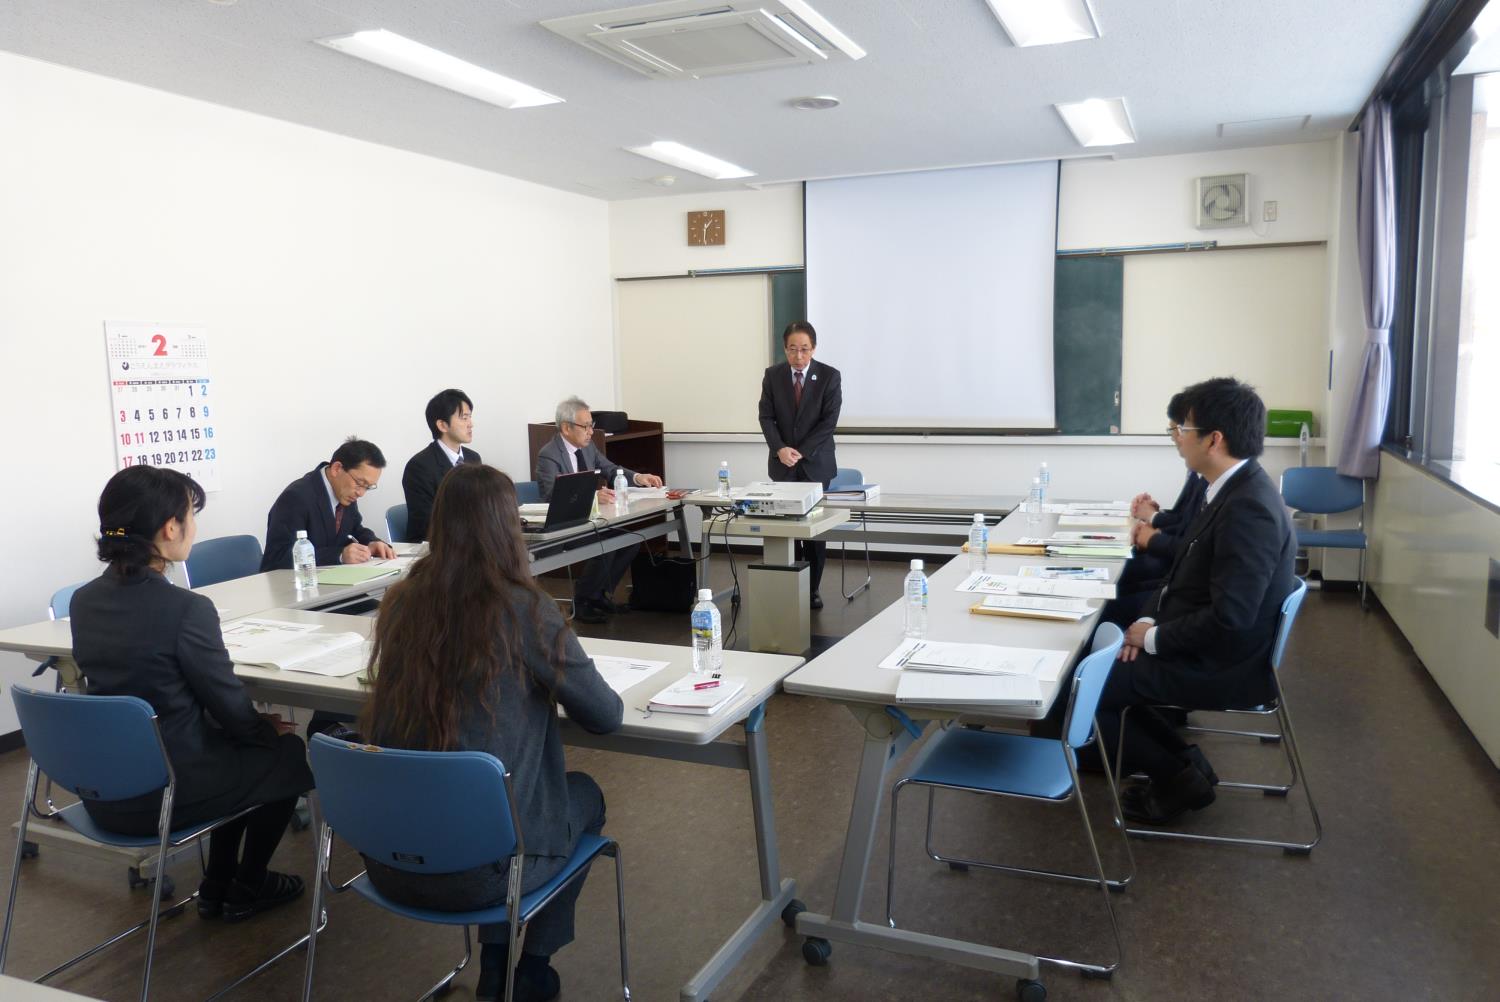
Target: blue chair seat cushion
<point x="1343" y="539"/>
<point x="77" y="818"/>
<point x="588" y="847"/>
<point x="994" y="762"/>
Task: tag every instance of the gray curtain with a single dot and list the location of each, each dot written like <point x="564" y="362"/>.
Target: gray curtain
<point x="1359" y="455"/>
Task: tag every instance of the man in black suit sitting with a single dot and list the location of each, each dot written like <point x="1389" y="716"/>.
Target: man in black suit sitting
<point x="325" y="502"/>
<point x="1205" y="639"/>
<point x="450" y="418"/>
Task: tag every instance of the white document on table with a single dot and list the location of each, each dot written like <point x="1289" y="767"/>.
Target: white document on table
<point x="336" y="663"/>
<point x="982" y="583"/>
<point x="320" y="653"/>
<point x="648" y="492"/>
<point x="1064" y="572"/>
<point x="251" y="632"/>
<point x="1067" y="609"/>
<point x="621" y="674"/>
<point x="963" y="659"/>
<point x="1104" y="521"/>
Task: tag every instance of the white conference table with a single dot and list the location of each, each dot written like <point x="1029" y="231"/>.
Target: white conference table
<point x="609" y="532"/>
<point x="676" y="736"/>
<point x="16" y="990"/>
<point x="849" y="673"/>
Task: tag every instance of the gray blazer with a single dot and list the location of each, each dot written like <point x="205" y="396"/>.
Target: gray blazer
<point x="553" y="461"/>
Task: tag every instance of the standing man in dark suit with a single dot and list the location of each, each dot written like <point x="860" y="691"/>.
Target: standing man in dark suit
<point x="1205" y="641"/>
<point x="450" y="418"/>
<point x="573" y="451"/>
<point x="325" y="502"/>
<point x="800" y="401"/>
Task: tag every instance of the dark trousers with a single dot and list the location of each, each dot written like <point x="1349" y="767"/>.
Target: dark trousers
<point x="551" y="928"/>
<point x="599" y="578"/>
<point x="815" y="552"/>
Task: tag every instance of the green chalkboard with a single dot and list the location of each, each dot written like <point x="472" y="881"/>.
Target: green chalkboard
<point x="1086" y="344"/>
<point x="788" y="304"/>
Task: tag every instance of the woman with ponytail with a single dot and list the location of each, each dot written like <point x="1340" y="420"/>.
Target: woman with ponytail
<point x="136" y="634"/>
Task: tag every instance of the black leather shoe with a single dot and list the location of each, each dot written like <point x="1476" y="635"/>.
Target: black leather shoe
<point x="588" y="612"/>
<point x="531" y="984"/>
<point x="243" y="901"/>
<point x="614" y="608"/>
<point x="211" y="898"/>
<point x="1195" y="758"/>
<point x="815" y="602"/>
<point x="1163" y="803"/>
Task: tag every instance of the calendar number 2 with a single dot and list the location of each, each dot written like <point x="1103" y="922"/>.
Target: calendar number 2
<point x="161" y="344"/>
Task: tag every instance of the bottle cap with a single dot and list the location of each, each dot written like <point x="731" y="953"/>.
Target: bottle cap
<point x="725" y="464"/>
<point x="979" y="516"/>
<point x="301" y="533"/>
<point x="705" y="594"/>
<point x="1044" y="466"/>
<point x="1036" y="480"/>
<point x="916" y="565"/>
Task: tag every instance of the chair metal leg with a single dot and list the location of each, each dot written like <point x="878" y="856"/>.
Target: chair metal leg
<point x="1363" y="602"/>
<point x="322" y="844"/>
<point x="15" y="867"/>
<point x="614" y="851"/>
<point x="1097" y="970"/>
<point x="844" y="557"/>
<point x="447" y="979"/>
<point x="164" y="824"/>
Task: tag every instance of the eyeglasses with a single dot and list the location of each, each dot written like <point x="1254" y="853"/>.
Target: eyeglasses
<point x="1177" y="429"/>
<point x="585" y="427"/>
<point x="363" y="486"/>
<point x="798" y="351"/>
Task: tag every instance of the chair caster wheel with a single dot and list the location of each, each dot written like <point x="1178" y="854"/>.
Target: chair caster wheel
<point x="1028" y="990"/>
<point x="30" y="850"/>
<point x="959" y="867"/>
<point x="791" y="911"/>
<point x="816" y="951"/>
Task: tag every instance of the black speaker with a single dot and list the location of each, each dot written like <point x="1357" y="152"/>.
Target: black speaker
<point x="666" y="585"/>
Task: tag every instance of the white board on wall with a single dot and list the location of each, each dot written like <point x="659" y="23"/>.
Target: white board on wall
<point x="693" y="350"/>
<point x="1258" y="315"/>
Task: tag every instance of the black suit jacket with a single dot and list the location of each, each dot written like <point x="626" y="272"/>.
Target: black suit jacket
<point x="1174" y="520"/>
<point x="808" y="428"/>
<point x="420" y="480"/>
<point x="304" y="505"/>
<point x="1217" y="610"/>
<point x="143" y="636"/>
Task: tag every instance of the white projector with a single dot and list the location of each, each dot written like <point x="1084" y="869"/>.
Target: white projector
<point x="789" y="499"/>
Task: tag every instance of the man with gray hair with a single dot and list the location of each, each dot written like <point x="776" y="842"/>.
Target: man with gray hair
<point x="573" y="451"/>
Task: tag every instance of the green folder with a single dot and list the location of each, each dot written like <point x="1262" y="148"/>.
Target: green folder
<point x="353" y="574"/>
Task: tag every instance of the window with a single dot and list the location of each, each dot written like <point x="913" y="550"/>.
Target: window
<point x="1476" y="416"/>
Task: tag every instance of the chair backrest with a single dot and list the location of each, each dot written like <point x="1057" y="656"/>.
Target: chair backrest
<point x="1088" y="683"/>
<point x="422" y="811"/>
<point x="395" y="523"/>
<point x="99" y="747"/>
<point x="1321" y="490"/>
<point x="222" y="559"/>
<point x="528" y="492"/>
<point x="62" y="600"/>
<point x="845" y="478"/>
<point x="1289" y="607"/>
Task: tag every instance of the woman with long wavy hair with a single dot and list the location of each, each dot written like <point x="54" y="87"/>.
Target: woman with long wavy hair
<point x="472" y="655"/>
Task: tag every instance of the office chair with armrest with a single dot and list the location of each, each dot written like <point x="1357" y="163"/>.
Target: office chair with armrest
<point x="1030" y="768"/>
<point x="435" y="812"/>
<point x="106" y="748"/>
<point x="1322" y="490"/>
<point x="223" y="559"/>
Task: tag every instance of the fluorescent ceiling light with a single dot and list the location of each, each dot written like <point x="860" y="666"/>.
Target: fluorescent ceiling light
<point x="1098" y="121"/>
<point x="1045" y="22"/>
<point x="396" y="52"/>
<point x="688" y="158"/>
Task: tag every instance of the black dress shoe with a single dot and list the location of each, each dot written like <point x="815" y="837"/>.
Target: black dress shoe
<point x="243" y="900"/>
<point x="614" y="608"/>
<point x="534" y="981"/>
<point x="1162" y="803"/>
<point x="588" y="612"/>
<point x="816" y="601"/>
<point x="211" y="898"/>
<point x="1195" y="758"/>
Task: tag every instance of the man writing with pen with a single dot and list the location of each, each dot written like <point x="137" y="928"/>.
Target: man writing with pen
<point x="325" y="504"/>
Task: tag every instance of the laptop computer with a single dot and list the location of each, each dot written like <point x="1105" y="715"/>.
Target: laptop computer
<point x="572" y="502"/>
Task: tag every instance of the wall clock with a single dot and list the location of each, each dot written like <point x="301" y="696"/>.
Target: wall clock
<point x="1223" y="200"/>
<point x="706" y="228"/>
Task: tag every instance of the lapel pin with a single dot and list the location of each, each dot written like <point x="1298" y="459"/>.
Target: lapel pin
<point x="814" y="375"/>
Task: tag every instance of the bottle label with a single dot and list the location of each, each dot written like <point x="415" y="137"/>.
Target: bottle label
<point x="703" y="622"/>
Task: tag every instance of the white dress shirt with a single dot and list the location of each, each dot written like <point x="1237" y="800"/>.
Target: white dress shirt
<point x="453" y="457"/>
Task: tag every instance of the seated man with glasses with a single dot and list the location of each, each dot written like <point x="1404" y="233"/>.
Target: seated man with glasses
<point x="573" y="451"/>
<point x="325" y="503"/>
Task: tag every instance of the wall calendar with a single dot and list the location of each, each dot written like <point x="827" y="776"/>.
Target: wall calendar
<point x="162" y="407"/>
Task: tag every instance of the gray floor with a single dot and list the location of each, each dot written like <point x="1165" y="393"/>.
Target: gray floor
<point x="1399" y="902"/>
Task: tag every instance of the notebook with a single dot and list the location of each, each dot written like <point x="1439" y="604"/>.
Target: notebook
<point x="352" y="574"/>
<point x="682" y="697"/>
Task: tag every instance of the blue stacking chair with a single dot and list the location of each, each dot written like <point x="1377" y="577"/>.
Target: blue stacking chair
<point x="1040" y="769"/>
<point x="435" y="812"/>
<point x="1322" y="490"/>
<point x="62" y="600"/>
<point x="105" y="748"/>
<point x="844" y="478"/>
<point x="528" y="492"/>
<point x="395" y="523"/>
<point x="1285" y="737"/>
<point x="222" y="559"/>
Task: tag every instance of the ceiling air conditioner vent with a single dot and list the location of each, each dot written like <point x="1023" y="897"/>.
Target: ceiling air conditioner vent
<point x="694" y="38"/>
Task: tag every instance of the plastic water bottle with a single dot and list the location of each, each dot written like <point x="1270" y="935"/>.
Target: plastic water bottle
<point x="1034" y="504"/>
<point x="979" y="543"/>
<point x="305" y="564"/>
<point x="708" y="639"/>
<point x="622" y="492"/>
<point x="916" y="601"/>
<point x="1045" y="476"/>
<point x="724" y="479"/>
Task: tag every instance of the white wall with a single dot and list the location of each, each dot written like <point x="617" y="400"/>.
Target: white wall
<point x="341" y="283"/>
<point x="762" y="229"/>
<point x="1151" y="200"/>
